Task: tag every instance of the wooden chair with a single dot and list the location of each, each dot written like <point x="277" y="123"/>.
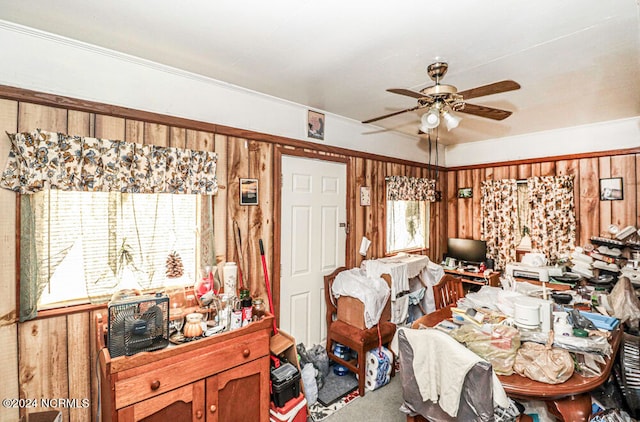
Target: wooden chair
<point x="447" y="292"/>
<point x="357" y="339"/>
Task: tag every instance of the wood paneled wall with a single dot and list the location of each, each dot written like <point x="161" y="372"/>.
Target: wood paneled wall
<point x="369" y="221"/>
<point x="53" y="357"/>
<point x="593" y="216"/>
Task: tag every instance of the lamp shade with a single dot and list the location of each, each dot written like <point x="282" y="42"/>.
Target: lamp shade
<point x="451" y="120"/>
<point x="430" y="120"/>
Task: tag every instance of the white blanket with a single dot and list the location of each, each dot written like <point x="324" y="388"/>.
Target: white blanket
<point x="372" y="292"/>
<point x="397" y="270"/>
<point x="440" y="365"/>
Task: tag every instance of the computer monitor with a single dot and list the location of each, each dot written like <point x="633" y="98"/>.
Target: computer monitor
<point x="467" y="250"/>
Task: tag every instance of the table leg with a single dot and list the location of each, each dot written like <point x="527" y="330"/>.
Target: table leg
<point x="574" y="408"/>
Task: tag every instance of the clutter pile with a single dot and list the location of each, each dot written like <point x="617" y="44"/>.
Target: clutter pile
<point x="565" y="330"/>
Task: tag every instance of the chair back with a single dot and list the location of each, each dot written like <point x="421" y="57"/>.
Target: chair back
<point x="332" y="304"/>
<point x="329" y="300"/>
<point x="447" y="291"/>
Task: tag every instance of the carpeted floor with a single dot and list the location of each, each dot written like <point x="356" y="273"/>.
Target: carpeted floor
<point x="378" y="405"/>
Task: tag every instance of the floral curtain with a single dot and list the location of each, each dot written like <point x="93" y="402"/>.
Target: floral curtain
<point x="41" y="162"/>
<point x="46" y="160"/>
<point x="553" y="220"/>
<point x="402" y="188"/>
<point x="499" y="208"/>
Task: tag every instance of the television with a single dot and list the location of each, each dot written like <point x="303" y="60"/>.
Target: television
<point x="467" y="250"/>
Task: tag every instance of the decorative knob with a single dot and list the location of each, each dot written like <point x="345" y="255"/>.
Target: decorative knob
<point x="155" y="385"/>
<point x="246" y="353"/>
<point x="199" y="414"/>
<point x="213" y="408"/>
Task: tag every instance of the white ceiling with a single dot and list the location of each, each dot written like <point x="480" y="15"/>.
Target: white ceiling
<point x="578" y="61"/>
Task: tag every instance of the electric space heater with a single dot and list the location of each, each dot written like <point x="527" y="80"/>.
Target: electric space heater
<point x="138" y="324"/>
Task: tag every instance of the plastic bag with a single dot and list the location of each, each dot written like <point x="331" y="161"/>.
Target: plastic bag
<point x="317" y="356"/>
<point x="624" y="302"/>
<point x="309" y="382"/>
<point x="593" y="344"/>
<point x="543" y="363"/>
<point x="498" y="347"/>
<point x="580" y="321"/>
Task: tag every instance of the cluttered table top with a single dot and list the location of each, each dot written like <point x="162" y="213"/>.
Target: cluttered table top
<point x="557" y="351"/>
<point x="521" y="386"/>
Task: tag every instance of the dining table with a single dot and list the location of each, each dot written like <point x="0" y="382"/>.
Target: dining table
<point x="567" y="401"/>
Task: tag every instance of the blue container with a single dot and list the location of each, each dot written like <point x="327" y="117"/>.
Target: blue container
<point x="343" y="352"/>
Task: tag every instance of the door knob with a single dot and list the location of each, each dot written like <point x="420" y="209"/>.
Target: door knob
<point x="213" y="408"/>
<point x="199" y="414"/>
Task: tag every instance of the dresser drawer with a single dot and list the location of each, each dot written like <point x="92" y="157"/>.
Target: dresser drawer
<point x="167" y="374"/>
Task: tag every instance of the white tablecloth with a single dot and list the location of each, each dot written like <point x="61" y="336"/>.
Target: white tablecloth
<point x="402" y="268"/>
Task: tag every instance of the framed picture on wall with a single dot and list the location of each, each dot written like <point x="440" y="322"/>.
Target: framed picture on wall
<point x="611" y="189"/>
<point x="248" y="191"/>
<point x="465" y="193"/>
<point x="315" y="125"/>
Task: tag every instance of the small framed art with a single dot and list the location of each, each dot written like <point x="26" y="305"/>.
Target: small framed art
<point x="248" y="191"/>
<point x="315" y="125"/>
<point x="465" y="193"/>
<point x="611" y="189"/>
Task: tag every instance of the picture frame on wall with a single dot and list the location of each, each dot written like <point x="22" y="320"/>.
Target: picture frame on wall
<point x="611" y="189"/>
<point x="248" y="191"/>
<point x="315" y="125"/>
<point x="465" y="193"/>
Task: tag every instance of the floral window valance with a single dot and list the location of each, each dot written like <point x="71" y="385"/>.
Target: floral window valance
<point x="402" y="188"/>
<point x="41" y="160"/>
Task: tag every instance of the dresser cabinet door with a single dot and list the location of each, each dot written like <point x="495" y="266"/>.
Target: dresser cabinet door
<point x="239" y="394"/>
<point x="182" y="404"/>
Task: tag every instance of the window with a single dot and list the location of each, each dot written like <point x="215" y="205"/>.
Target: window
<point x="87" y="244"/>
<point x="407" y="225"/>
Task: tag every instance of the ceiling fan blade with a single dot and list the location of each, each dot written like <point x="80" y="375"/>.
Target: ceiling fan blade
<point x="494" y="88"/>
<point x="390" y="115"/>
<point x="483" y="111"/>
<point x="407" y="92"/>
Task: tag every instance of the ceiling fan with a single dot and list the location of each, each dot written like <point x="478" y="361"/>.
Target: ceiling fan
<point x="440" y="100"/>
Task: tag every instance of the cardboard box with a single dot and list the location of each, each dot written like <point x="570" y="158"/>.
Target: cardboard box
<point x="351" y="311"/>
<point x="284" y="345"/>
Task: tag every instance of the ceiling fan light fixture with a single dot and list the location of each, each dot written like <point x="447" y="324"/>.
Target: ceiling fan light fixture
<point x="430" y="120"/>
<point x="452" y="121"/>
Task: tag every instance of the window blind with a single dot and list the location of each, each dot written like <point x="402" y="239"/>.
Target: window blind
<point x="85" y="240"/>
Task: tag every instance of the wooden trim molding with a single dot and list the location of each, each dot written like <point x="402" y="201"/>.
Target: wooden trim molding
<point x="595" y="154"/>
<point x="53" y="100"/>
<point x="68" y="310"/>
<point x="278" y="152"/>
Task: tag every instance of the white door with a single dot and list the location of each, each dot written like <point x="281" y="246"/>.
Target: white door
<point x="313" y="242"/>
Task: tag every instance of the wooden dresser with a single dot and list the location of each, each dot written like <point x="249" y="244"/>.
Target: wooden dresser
<point x="223" y="378"/>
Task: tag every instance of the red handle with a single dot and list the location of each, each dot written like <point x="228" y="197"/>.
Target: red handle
<point x="266" y="279"/>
